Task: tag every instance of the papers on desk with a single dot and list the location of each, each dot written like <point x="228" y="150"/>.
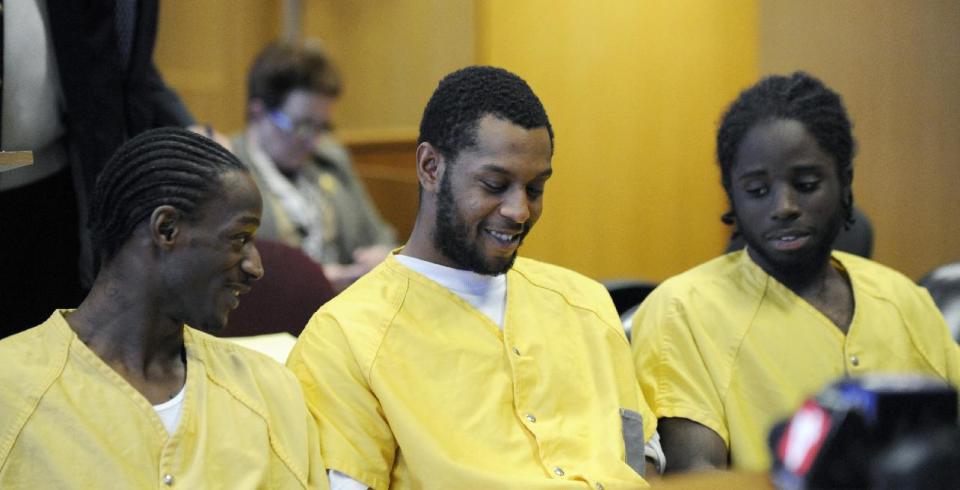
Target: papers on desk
<point x="275" y="345"/>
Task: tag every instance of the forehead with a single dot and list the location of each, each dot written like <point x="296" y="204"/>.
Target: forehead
<point x="235" y="198"/>
<point x="304" y="102"/>
<point x="503" y="143"/>
<point x="779" y="144"/>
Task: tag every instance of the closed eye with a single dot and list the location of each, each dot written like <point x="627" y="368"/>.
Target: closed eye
<point x="534" y="191"/>
<point x="493" y="187"/>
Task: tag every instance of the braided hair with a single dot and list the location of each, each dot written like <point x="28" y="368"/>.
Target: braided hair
<point x="800" y="97"/>
<point x="164" y="166"/>
<point x="463" y="97"/>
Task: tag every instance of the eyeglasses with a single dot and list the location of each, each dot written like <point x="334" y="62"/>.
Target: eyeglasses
<point x="307" y="129"/>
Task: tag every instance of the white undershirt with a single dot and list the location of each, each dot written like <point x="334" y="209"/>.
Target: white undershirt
<point x="171" y="410"/>
<point x="485" y="293"/>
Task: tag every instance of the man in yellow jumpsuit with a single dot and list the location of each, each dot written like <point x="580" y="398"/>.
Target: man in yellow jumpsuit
<point x="456" y="364"/>
<point x="730" y="347"/>
<point x="121" y="392"/>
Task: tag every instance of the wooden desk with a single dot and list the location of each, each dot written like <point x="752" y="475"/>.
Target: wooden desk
<point x="10" y="160"/>
<point x="712" y="480"/>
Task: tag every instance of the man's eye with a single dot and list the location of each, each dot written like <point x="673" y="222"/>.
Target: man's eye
<point x="808" y="186"/>
<point x="494" y="187"/>
<point x="240" y="240"/>
<point x="757" y="191"/>
<point x="535" y="191"/>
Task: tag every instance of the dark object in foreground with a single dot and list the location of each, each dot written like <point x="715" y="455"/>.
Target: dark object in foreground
<point x="836" y="438"/>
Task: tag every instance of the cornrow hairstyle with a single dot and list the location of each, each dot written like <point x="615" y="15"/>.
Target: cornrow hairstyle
<point x="465" y="96"/>
<point x="164" y="166"/>
<point x="800" y="97"/>
<point x="285" y="66"/>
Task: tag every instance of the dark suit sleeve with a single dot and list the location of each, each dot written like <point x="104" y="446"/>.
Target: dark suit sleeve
<point x="168" y="109"/>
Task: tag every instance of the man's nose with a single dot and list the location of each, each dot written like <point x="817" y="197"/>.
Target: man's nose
<point x="251" y="264"/>
<point x="786" y="206"/>
<point x="516" y="206"/>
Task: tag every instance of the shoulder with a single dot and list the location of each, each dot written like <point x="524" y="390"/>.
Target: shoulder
<point x="880" y="281"/>
<point x="575" y="288"/>
<point x="330" y="151"/>
<point x="30" y="362"/>
<point x="874" y="277"/>
<point x="377" y="295"/>
<point x="362" y="314"/>
<point x="33" y="354"/>
<point x="715" y="280"/>
<point x="887" y="285"/>
<point x="715" y="299"/>
<point x="247" y="374"/>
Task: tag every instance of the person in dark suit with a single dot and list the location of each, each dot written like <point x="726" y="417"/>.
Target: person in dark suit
<point x="98" y="55"/>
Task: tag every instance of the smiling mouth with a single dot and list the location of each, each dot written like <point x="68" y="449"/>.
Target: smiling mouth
<point x="505" y="238"/>
<point x="235" y="291"/>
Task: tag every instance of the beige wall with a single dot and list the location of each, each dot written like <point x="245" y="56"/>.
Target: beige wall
<point x="897" y="65"/>
<point x="634" y="90"/>
<point x="392" y="54"/>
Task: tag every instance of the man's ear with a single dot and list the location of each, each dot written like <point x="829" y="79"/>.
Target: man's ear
<point x="165" y="226"/>
<point x="430" y="167"/>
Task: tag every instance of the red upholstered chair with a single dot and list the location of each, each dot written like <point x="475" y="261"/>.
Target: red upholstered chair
<point x="291" y="290"/>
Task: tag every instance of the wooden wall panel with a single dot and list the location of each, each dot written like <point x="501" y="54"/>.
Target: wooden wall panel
<point x="386" y="164"/>
<point x="896" y="64"/>
<point x="392" y="54"/>
<point x="204" y="50"/>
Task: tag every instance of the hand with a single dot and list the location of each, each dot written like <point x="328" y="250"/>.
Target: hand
<point x="341" y="276"/>
<point x="691" y="446"/>
<point x="369" y="257"/>
<point x="365" y="259"/>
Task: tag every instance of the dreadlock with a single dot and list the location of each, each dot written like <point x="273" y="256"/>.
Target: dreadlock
<point x="165" y="166"/>
<point x="800" y="97"/>
<point x="463" y="97"/>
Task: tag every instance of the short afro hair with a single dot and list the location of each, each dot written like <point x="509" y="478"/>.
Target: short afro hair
<point x="164" y="166"/>
<point x="800" y="97"/>
<point x="465" y="96"/>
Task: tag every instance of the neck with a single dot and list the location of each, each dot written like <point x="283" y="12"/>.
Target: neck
<point x="119" y="322"/>
<point x="808" y="279"/>
<point x="420" y="243"/>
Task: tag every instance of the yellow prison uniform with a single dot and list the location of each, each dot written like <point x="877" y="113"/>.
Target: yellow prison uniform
<point x="67" y="420"/>
<point x="727" y="345"/>
<point x="415" y="388"/>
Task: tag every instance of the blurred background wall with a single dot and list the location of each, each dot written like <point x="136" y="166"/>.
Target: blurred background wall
<point x="634" y="90"/>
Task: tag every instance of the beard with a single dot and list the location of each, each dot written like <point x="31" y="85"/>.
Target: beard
<point x="451" y="237"/>
<point x="799" y="264"/>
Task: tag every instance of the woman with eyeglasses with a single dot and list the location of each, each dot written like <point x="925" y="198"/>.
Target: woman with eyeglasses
<point x="312" y="197"/>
